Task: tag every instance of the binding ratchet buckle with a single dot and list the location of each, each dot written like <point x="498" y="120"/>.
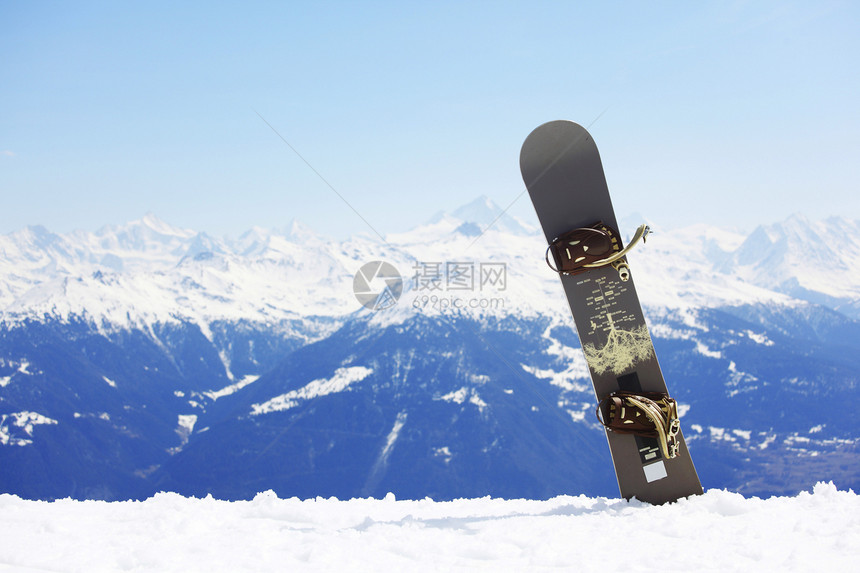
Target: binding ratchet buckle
<point x="648" y="414"/>
<point x="592" y="247"/>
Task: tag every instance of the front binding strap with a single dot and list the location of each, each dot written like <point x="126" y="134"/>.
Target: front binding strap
<point x="647" y="414"/>
<point x="591" y="247"/>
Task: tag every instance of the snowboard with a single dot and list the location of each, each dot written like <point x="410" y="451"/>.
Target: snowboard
<point x="564" y="176"/>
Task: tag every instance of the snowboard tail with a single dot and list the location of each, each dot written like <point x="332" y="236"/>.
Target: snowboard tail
<point x="563" y="173"/>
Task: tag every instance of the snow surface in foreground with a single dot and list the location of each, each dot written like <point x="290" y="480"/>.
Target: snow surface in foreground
<point x="719" y="531"/>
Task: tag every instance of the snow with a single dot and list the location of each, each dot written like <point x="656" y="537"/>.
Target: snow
<point x="186" y="424"/>
<point x="718" y="531"/>
<point x="25" y="422"/>
<point x="22" y="368"/>
<point x="232" y="388"/>
<point x="148" y="272"/>
<point x="771" y="255"/>
<point x="702" y="349"/>
<point x="339" y="382"/>
<point x="393" y="435"/>
<point x="573" y="375"/>
<point x="460" y="396"/>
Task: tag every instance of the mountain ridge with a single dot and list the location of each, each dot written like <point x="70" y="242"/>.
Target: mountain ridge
<point x="119" y="379"/>
<point x="794" y="258"/>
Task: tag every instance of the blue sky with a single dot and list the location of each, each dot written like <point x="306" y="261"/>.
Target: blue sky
<point x="730" y="113"/>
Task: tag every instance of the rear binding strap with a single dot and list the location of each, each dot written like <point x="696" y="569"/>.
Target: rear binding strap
<point x="647" y="414"/>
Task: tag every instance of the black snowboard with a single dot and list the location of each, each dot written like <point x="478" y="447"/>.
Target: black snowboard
<point x="564" y="176"/>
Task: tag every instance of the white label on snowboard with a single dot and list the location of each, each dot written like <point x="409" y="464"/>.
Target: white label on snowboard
<point x="655" y="471"/>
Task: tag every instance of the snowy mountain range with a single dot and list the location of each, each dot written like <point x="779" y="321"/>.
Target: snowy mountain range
<point x="145" y="357"/>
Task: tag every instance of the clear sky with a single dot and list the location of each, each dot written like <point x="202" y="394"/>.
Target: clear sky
<point x="732" y="113"/>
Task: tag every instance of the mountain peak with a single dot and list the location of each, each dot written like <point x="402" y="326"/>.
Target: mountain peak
<point x="298" y="231"/>
<point x="36" y="235"/>
<point x="157" y="225"/>
<point x="484" y="213"/>
<point x="150" y="226"/>
<point x="480" y="210"/>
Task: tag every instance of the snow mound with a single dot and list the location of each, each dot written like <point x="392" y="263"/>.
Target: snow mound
<point x="718" y="531"/>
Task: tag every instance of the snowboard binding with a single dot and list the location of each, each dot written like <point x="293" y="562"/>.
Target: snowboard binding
<point x="591" y="247"/>
<point x="649" y="414"/>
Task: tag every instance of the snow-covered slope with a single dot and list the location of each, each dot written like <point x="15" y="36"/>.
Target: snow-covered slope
<point x="719" y="531"/>
<point x="815" y="260"/>
<point x="147" y="271"/>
